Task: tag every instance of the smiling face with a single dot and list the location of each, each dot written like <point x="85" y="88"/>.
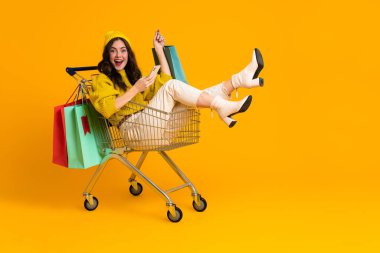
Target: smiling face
<point x="118" y="54"/>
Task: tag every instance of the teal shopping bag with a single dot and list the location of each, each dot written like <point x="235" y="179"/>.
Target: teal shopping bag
<point x="174" y="62"/>
<point x="82" y="149"/>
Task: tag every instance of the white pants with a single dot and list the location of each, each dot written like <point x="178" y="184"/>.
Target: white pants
<point x="157" y="124"/>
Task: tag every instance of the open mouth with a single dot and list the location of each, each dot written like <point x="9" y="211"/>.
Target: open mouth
<point x="118" y="63"/>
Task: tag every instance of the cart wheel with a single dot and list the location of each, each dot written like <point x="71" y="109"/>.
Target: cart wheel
<point x="90" y="207"/>
<point x="202" y="205"/>
<point x="178" y="216"/>
<point x="135" y="192"/>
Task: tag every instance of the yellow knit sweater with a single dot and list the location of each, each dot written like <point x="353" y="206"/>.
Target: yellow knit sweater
<point x="104" y="94"/>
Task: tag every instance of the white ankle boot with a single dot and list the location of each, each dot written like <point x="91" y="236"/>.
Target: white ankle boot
<point x="226" y="109"/>
<point x="218" y="90"/>
<point x="248" y="77"/>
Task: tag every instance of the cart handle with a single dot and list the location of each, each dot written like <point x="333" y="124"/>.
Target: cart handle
<point x="72" y="71"/>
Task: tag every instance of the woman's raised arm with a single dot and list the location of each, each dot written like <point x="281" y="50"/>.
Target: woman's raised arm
<point x="159" y="42"/>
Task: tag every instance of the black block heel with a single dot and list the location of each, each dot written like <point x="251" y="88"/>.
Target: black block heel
<point x="244" y="107"/>
<point x="260" y="63"/>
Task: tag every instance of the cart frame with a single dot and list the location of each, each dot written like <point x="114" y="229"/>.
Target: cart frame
<point x="118" y="149"/>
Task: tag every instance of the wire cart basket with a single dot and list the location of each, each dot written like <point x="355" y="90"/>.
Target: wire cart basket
<point x="154" y="130"/>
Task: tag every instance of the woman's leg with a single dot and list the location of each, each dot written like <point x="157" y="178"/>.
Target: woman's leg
<point x="247" y="78"/>
<point x="223" y="89"/>
<point x="176" y="91"/>
<point x="152" y="128"/>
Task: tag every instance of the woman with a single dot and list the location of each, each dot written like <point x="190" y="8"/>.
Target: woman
<point x="120" y="81"/>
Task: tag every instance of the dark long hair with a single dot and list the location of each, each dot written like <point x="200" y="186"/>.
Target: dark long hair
<point x="131" y="69"/>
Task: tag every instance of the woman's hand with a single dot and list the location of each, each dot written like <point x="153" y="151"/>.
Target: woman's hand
<point x="144" y="82"/>
<point x="141" y="85"/>
<point x="158" y="41"/>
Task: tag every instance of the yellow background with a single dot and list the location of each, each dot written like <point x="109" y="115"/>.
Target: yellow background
<point x="298" y="173"/>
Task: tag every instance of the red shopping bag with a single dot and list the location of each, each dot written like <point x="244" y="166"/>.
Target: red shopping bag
<point x="59" y="135"/>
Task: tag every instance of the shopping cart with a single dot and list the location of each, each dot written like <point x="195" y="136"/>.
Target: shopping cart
<point x="157" y="131"/>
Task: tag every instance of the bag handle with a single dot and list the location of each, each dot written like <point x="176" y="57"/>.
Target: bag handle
<point x="78" y="94"/>
<point x="82" y="87"/>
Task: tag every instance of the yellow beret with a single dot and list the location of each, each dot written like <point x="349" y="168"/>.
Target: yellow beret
<point x="114" y="34"/>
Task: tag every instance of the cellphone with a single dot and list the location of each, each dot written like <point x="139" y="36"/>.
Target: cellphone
<point x="155" y="70"/>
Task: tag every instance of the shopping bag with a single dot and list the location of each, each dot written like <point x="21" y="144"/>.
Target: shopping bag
<point x="174" y="62"/>
<point x="59" y="135"/>
<point x="82" y="149"/>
